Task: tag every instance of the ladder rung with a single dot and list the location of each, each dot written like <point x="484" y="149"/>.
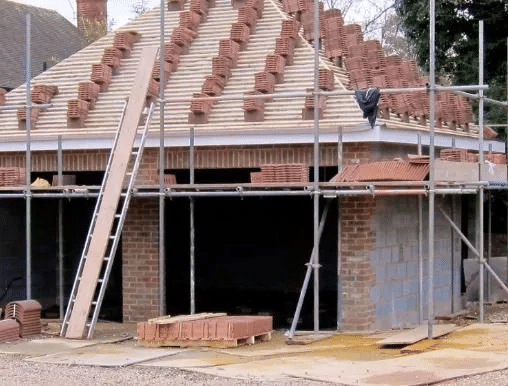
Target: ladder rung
<point x="94" y="303"/>
<point x="135" y="152"/>
<point x="107" y="258"/>
<point x="118" y="215"/>
<point x="100" y="281"/>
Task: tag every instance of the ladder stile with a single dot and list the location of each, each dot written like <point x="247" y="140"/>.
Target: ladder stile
<point x="123" y="214"/>
<point x="104" y="235"/>
<point x="68" y="311"/>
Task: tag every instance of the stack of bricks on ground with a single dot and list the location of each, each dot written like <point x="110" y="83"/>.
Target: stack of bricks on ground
<point x="218" y="330"/>
<point x="22" y="319"/>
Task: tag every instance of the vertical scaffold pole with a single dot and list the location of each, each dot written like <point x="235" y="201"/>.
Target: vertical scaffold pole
<point x="162" y="196"/>
<point x="28" y="159"/>
<point x="481" y="191"/>
<point x="432" y="117"/>
<point x="60" y="233"/>
<point x="192" y="229"/>
<point x="420" y="246"/>
<point x="317" y="30"/>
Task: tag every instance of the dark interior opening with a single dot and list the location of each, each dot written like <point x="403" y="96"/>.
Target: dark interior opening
<point x="77" y="214"/>
<point x="250" y="255"/>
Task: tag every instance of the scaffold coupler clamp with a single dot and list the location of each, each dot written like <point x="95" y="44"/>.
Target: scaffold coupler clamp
<point x="313" y="265"/>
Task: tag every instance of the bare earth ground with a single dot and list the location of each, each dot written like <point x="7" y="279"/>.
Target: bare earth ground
<point x="15" y="371"/>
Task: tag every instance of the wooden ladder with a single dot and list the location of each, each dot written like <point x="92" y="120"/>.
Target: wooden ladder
<point x="110" y="211"/>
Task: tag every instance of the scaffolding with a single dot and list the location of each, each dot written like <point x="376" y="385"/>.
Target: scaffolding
<point x="315" y="190"/>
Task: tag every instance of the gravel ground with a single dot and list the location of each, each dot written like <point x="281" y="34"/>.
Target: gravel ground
<point x="15" y="371"/>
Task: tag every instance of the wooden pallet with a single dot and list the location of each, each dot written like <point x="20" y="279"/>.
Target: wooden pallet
<point x="225" y="343"/>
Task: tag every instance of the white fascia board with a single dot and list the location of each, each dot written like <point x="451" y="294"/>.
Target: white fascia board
<point x="377" y="134"/>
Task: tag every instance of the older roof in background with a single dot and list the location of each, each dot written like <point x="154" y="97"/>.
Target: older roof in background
<point x="54" y="38"/>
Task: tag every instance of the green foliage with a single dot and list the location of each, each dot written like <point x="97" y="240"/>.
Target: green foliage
<point x="457" y="52"/>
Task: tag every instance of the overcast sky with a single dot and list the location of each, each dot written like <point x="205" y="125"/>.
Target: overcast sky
<point x="118" y="10"/>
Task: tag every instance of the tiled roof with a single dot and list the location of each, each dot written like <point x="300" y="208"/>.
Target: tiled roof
<point x="53" y="38"/>
<point x="281" y="115"/>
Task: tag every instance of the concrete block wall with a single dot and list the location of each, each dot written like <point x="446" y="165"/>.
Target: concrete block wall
<point x="140" y="254"/>
<point x="394" y="259"/>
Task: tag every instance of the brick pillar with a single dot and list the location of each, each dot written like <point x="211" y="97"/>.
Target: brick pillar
<point x="140" y="255"/>
<point x="357" y="273"/>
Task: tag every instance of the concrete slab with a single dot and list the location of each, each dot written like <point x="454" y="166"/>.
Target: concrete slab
<point x="106" y="355"/>
<point x="417" y="334"/>
<point x="191" y="359"/>
<point x="434" y="366"/>
<point x="418" y="369"/>
<point x="37" y="347"/>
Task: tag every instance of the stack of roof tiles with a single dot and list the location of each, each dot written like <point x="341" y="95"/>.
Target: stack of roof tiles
<point x="2" y="96"/>
<point x="281" y="173"/>
<point x="275" y="64"/>
<point x="369" y="67"/>
<point x="12" y="176"/>
<point x="463" y="155"/>
<point x="169" y="179"/>
<point x="40" y="94"/>
<point x="101" y="77"/>
<point x="9" y="330"/>
<point x="222" y="331"/>
<point x="222" y="64"/>
<point x="383" y="171"/>
<point x="326" y="83"/>
<point x="28" y="314"/>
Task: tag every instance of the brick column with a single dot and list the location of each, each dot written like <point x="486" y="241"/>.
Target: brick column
<point x="140" y="255"/>
<point x="357" y="274"/>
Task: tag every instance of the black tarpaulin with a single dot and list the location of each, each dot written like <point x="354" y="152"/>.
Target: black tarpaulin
<point x="367" y="99"/>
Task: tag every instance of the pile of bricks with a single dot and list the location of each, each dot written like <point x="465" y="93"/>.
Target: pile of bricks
<point x="2" y="96"/>
<point x="222" y="64"/>
<point x="203" y="330"/>
<point x="368" y="66"/>
<point x="307" y="19"/>
<point x="175" y="5"/>
<point x="335" y="42"/>
<point x="101" y="77"/>
<point x="89" y="92"/>
<point x="40" y="94"/>
<point x="326" y="83"/>
<point x="169" y="179"/>
<point x="112" y="58"/>
<point x="77" y="112"/>
<point x="383" y="171"/>
<point x="124" y="41"/>
<point x="281" y="173"/>
<point x="12" y="176"/>
<point x="43" y="93"/>
<point x="454" y="154"/>
<point x="22" y="117"/>
<point x="172" y="52"/>
<point x="275" y="65"/>
<point x="9" y="330"/>
<point x="28" y="314"/>
<point x="463" y="155"/>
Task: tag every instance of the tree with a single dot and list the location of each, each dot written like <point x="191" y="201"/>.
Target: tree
<point x="140" y="7"/>
<point x="457" y="26"/>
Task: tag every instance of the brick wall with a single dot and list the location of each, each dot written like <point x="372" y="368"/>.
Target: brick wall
<point x="178" y="158"/>
<point x="140" y="254"/>
<point x="357" y="240"/>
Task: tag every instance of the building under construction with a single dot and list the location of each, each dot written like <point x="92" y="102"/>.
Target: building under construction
<point x="234" y="160"/>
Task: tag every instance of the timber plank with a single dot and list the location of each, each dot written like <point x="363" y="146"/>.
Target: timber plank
<point x="112" y="190"/>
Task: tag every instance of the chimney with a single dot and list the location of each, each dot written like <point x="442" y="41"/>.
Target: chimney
<point x="92" y="10"/>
